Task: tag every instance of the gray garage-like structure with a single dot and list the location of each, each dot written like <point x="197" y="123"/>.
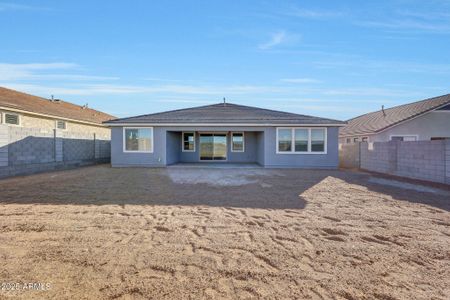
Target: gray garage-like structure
<point x="225" y="133"/>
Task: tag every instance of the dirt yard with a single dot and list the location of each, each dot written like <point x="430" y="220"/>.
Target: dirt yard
<point x="172" y="233"/>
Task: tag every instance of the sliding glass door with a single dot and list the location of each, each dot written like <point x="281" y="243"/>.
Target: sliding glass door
<point x="213" y="146"/>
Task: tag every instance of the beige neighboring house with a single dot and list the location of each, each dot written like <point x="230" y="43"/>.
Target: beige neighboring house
<point x="28" y="111"/>
<point x="424" y="120"/>
<point x="38" y="134"/>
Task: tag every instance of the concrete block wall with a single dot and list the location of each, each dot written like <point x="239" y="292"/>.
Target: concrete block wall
<point x="379" y="157"/>
<point x="421" y="160"/>
<point x="104" y="149"/>
<point x="30" y="146"/>
<point x="425" y="160"/>
<point x="30" y="150"/>
<point x="447" y="161"/>
<point x="58" y="145"/>
<point x="78" y="146"/>
<point x="4" y="140"/>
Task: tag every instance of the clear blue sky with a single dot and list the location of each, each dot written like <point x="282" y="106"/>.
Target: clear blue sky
<point x="334" y="59"/>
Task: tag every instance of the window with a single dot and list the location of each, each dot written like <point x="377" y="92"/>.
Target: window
<point x="439" y="138"/>
<point x="237" y="142"/>
<point x="301" y="140"/>
<point x="355" y="140"/>
<point x="349" y="140"/>
<point x="284" y="140"/>
<point x="138" y="139"/>
<point x="318" y="140"/>
<point x="60" y="124"/>
<point x="188" y="142"/>
<point x="405" y="138"/>
<point x="364" y="139"/>
<point x="12" y="119"/>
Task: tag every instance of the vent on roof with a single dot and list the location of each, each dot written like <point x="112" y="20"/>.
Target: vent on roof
<point x="52" y="99"/>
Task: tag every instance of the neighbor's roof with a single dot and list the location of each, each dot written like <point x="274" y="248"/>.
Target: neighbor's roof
<point x="59" y="109"/>
<point x="377" y="121"/>
<point x="223" y="114"/>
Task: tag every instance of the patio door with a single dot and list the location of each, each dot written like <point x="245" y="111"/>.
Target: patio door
<point x="213" y="146"/>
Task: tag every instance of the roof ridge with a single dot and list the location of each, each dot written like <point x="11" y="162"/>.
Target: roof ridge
<point x="415" y="102"/>
<point x="221" y="104"/>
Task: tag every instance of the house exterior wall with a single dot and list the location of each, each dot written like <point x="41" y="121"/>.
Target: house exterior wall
<point x="36" y="145"/>
<point x="173" y="143"/>
<point x="432" y="124"/>
<point x="260" y="147"/>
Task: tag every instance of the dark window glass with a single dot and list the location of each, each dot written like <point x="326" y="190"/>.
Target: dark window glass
<point x="138" y="139"/>
<point x="284" y="140"/>
<point x="318" y="140"/>
<point x="301" y="140"/>
<point x="237" y="142"/>
<point x="188" y="141"/>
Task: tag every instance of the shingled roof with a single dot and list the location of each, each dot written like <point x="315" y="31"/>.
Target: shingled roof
<point x="58" y="109"/>
<point x="377" y="121"/>
<point x="223" y="114"/>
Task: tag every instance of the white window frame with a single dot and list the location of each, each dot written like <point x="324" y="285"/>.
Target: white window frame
<point x="416" y="136"/>
<point x="182" y="141"/>
<point x="136" y="151"/>
<point x="309" y="141"/>
<point x="3" y="120"/>
<point x="56" y="124"/>
<point x="243" y="141"/>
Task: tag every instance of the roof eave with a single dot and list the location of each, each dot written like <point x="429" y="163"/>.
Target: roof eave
<point x="101" y="124"/>
<point x="122" y="124"/>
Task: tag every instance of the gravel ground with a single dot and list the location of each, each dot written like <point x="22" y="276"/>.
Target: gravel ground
<point x="134" y="233"/>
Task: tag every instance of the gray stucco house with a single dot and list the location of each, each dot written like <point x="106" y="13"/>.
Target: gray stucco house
<point x="423" y="120"/>
<point x="226" y="133"/>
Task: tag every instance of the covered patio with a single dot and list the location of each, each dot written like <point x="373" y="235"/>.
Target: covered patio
<point x="215" y="148"/>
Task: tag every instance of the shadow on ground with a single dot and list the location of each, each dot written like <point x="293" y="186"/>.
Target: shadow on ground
<point x="259" y="188"/>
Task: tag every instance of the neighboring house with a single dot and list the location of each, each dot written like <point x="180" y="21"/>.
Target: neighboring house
<point x="419" y="121"/>
<point x="38" y="134"/>
<point x="226" y="133"/>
